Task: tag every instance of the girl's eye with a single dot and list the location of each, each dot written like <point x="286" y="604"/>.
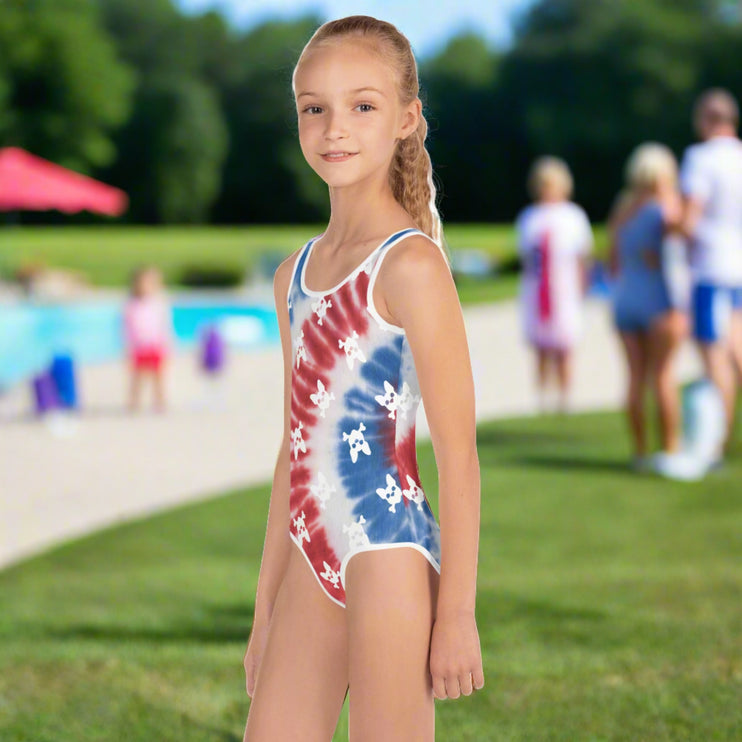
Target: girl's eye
<point x="365" y="107"/>
<point x="313" y="109"/>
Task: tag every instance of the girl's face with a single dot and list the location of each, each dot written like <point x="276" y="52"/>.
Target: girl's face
<point x="350" y="116"/>
<point x="552" y="191"/>
<point x="148" y="283"/>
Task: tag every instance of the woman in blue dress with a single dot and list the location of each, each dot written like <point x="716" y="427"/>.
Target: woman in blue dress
<point x="648" y="303"/>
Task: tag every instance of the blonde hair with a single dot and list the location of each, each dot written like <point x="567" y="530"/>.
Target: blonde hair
<point x="549" y="172"/>
<point x="411" y="171"/>
<point x="649" y="163"/>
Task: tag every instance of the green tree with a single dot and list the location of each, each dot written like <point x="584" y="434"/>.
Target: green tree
<point x="62" y="89"/>
<point x="588" y="80"/>
<point x="265" y="177"/>
<point x="460" y="89"/>
<point x="174" y="145"/>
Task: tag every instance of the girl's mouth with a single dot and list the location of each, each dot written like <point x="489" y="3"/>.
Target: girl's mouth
<point x="337" y="156"/>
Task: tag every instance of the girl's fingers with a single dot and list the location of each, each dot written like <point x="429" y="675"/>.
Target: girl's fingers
<point x="452" y="687"/>
<point x="463" y="685"/>
<point x="478" y="678"/>
<point x="439" y="688"/>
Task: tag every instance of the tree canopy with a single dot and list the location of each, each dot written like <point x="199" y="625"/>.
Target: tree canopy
<point x="195" y="119"/>
<point x="63" y="89"/>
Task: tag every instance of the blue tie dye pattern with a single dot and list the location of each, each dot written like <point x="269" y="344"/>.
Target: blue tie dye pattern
<point x="361" y="479"/>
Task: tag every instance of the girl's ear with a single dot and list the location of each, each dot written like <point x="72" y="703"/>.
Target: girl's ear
<point x="410" y="118"/>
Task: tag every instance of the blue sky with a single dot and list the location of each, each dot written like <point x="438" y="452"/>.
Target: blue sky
<point x="427" y="23"/>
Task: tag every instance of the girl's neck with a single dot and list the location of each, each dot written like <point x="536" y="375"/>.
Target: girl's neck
<point x="362" y="212"/>
<point x="647" y="195"/>
<point x="550" y="200"/>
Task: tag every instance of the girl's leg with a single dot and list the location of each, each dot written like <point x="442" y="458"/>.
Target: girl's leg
<point x="542" y="377"/>
<point x="635" y="347"/>
<point x="665" y="337"/>
<point x="135" y="389"/>
<point x="158" y="378"/>
<point x="563" y="360"/>
<point x="735" y="343"/>
<point x="303" y="675"/>
<point x="390" y="597"/>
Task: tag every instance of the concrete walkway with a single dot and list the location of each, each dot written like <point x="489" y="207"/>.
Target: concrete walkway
<point x="62" y="479"/>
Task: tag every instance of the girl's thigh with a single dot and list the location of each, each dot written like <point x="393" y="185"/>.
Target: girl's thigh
<point x="635" y="348"/>
<point x="390" y="595"/>
<point x="666" y="333"/>
<point x="303" y="675"/>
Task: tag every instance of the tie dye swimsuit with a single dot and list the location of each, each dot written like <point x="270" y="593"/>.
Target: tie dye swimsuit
<point x="355" y="485"/>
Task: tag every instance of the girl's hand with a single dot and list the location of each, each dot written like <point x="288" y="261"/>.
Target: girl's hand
<point x="254" y="654"/>
<point x="455" y="656"/>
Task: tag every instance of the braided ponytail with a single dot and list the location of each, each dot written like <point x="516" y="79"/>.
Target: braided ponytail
<point x="411" y="171"/>
<point x="411" y="179"/>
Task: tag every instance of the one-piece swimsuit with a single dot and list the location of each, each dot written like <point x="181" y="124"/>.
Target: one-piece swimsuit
<point x="355" y="484"/>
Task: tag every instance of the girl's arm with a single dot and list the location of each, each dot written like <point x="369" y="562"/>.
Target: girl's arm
<point x="416" y="291"/>
<point x="127" y="326"/>
<point x="277" y="545"/>
<point x="671" y="206"/>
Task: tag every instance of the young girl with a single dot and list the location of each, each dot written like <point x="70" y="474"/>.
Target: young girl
<point x="554" y="238"/>
<point x="647" y="311"/>
<point x="147" y="331"/>
<point x="371" y="596"/>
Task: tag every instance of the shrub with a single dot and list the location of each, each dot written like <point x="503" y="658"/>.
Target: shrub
<point x="211" y="276"/>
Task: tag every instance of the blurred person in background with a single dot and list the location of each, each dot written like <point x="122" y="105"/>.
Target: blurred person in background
<point x="147" y="332"/>
<point x="647" y="311"/>
<point x="554" y="240"/>
<point x="711" y="180"/>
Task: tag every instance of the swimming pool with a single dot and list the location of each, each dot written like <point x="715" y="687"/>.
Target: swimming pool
<point x="92" y="332"/>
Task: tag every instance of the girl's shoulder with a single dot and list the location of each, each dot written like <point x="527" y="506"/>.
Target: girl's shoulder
<point x="669" y="211"/>
<point x="571" y="212"/>
<point x="525" y="214"/>
<point x="574" y="208"/>
<point x="284" y="275"/>
<point x="285" y="269"/>
<point x="415" y="258"/>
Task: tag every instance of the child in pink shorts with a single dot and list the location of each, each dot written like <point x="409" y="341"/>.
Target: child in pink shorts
<point x="147" y="329"/>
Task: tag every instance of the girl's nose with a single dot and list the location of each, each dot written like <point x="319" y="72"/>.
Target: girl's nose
<point x="336" y="127"/>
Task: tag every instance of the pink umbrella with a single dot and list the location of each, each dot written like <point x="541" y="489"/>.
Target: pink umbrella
<point x="31" y="183"/>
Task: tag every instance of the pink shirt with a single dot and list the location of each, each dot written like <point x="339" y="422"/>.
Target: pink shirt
<point x="147" y="323"/>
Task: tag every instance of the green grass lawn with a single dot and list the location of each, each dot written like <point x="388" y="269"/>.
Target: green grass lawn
<point x="609" y="608"/>
<point x="106" y="255"/>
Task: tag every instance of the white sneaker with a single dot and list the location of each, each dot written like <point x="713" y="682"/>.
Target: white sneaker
<point x="682" y="466"/>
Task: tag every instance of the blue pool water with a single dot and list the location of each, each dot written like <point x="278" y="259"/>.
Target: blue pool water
<point x="31" y="334"/>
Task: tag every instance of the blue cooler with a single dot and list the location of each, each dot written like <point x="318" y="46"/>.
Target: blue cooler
<point x="62" y="372"/>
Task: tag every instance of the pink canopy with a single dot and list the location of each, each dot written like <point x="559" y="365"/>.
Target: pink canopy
<point x="31" y="183"/>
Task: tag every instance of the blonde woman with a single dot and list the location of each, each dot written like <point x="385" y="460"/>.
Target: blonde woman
<point x="554" y="239"/>
<point x="647" y="310"/>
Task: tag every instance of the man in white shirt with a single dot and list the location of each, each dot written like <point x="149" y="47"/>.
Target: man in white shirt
<point x="711" y="179"/>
